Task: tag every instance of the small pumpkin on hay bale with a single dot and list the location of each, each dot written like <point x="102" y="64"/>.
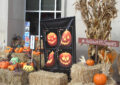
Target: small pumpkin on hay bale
<point x="83" y="73"/>
<point x="86" y="73"/>
<point x="109" y="82"/>
<point x="97" y="16"/>
<point x="47" y="78"/>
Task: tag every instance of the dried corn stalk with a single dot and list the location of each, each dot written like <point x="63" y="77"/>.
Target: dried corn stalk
<point x="97" y="15"/>
<point x="106" y="69"/>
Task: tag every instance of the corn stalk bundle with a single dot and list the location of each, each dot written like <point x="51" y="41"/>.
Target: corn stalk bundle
<point x="97" y="16"/>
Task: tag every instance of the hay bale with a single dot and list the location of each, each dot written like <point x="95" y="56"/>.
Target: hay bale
<point x="2" y="84"/>
<point x="47" y="78"/>
<point x="17" y="78"/>
<point x="13" y="78"/>
<point x="3" y="73"/>
<point x="22" y="56"/>
<point x="110" y="81"/>
<point x="37" y="59"/>
<point x="3" y="56"/>
<point x="83" y="73"/>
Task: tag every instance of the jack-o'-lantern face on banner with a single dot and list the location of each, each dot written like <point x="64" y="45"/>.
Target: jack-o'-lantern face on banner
<point x="52" y="39"/>
<point x="51" y="61"/>
<point x="66" y="38"/>
<point x="65" y="59"/>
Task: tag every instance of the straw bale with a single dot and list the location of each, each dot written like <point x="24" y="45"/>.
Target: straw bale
<point x="83" y="73"/>
<point x="2" y="83"/>
<point x="22" y="56"/>
<point x="37" y="59"/>
<point x="110" y="81"/>
<point x="3" y="75"/>
<point x="3" y="53"/>
<point x="47" y="78"/>
<point x="17" y="78"/>
<point x="3" y="56"/>
<point x="13" y="78"/>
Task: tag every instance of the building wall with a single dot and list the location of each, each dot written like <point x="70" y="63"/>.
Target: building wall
<point x="15" y="18"/>
<point x="3" y="21"/>
<point x="11" y="19"/>
<point x="80" y="27"/>
<point x="80" y="31"/>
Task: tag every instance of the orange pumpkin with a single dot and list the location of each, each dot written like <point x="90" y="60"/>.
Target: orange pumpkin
<point x="51" y="61"/>
<point x="12" y="67"/>
<point x="19" y="50"/>
<point x="51" y="39"/>
<point x="110" y="56"/>
<point x="90" y="62"/>
<point x="65" y="59"/>
<point x="0" y="64"/>
<point x="100" y="79"/>
<point x="4" y="64"/>
<point x="66" y="38"/>
<point x="30" y="63"/>
<point x="21" y="64"/>
<point x="8" y="49"/>
<point x="37" y="53"/>
<point x="16" y="50"/>
<point x="36" y="38"/>
<point x="26" y="49"/>
<point x="102" y="52"/>
<point x="7" y="62"/>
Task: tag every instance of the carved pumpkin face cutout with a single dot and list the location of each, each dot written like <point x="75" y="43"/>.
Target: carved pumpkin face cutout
<point x="65" y="59"/>
<point x="51" y="61"/>
<point x="52" y="39"/>
<point x="66" y="38"/>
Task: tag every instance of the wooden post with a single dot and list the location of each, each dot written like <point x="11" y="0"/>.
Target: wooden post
<point x="96" y="54"/>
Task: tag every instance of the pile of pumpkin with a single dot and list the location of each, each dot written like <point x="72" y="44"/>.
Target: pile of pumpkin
<point x="107" y="57"/>
<point x="99" y="78"/>
<point x="9" y="49"/>
<point x="15" y="64"/>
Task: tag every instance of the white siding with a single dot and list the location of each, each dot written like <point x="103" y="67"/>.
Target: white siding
<point x="3" y="21"/>
<point x="11" y="19"/>
<point x="15" y="18"/>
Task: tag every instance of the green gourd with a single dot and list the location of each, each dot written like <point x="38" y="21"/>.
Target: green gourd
<point x="14" y="60"/>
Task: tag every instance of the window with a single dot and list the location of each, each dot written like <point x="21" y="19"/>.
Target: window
<point x="37" y="10"/>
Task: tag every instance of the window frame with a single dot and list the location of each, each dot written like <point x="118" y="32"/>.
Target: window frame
<point x="55" y="11"/>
